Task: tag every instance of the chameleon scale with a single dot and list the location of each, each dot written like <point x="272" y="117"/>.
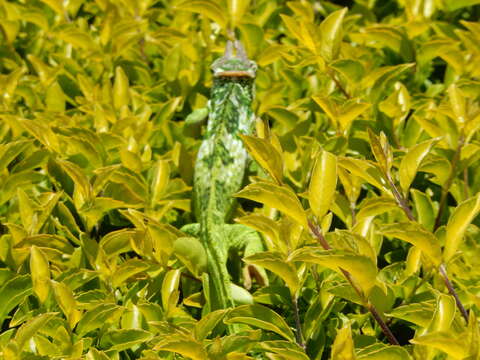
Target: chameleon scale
<point x="221" y="162"/>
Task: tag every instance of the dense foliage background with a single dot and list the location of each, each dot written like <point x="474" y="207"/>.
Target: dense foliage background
<point x="366" y="143"/>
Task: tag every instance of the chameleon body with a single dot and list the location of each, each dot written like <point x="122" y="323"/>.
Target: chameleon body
<point x="221" y="162"/>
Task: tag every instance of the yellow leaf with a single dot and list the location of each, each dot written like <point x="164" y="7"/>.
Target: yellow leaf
<point x="266" y="155"/>
<point x="411" y="162"/>
<point x="362" y="268"/>
<point x="415" y="234"/>
<point x="120" y="89"/>
<point x="331" y="31"/>
<point x="40" y="271"/>
<point x="208" y="8"/>
<point x="342" y="348"/>
<point x="461" y="217"/>
<point x="281" y="198"/>
<point x="323" y="183"/>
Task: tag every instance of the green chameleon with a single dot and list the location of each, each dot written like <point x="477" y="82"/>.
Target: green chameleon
<point x="220" y="171"/>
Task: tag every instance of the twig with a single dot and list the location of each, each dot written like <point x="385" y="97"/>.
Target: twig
<point x="385" y="329"/>
<point x="452" y="292"/>
<point x="402" y="202"/>
<point x="298" y="325"/>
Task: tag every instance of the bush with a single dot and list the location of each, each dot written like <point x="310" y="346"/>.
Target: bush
<point x="364" y="188"/>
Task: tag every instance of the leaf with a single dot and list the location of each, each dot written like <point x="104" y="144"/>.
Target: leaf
<point x="365" y="170"/>
<point x="192" y="254"/>
<point x="266" y="155"/>
<point x="13" y="292"/>
<point x="444" y="314"/>
<point x="331" y="31"/>
<point x="412" y="161"/>
<point x="236" y="9"/>
<point x="123" y="339"/>
<point x="31" y="327"/>
<point x="161" y="176"/>
<point x="183" y="345"/>
<point x="444" y="341"/>
<point x="207" y="323"/>
<point x="170" y="289"/>
<point x="417" y="313"/>
<point x="261" y="317"/>
<point x="66" y="301"/>
<point x="350" y="111"/>
<point x="416" y="235"/>
<point x="97" y="317"/>
<point x="128" y="269"/>
<point x="206" y="7"/>
<point x="381" y="151"/>
<point x="323" y="182"/>
<point x="278" y="197"/>
<point x="342" y="348"/>
<point x="384" y="353"/>
<point x="457" y="224"/>
<point x="274" y="262"/>
<point x="362" y="268"/>
<point x="40" y="271"/>
<point x="121" y="96"/>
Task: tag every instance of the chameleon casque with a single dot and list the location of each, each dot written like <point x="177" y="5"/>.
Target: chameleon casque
<point x="220" y="171"/>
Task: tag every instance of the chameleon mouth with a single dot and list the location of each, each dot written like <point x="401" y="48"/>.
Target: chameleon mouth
<point x="234" y="73"/>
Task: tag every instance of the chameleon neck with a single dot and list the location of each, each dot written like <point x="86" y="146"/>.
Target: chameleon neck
<point x="219" y="173"/>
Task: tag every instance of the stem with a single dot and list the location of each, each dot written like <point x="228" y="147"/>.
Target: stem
<point x="452" y="291"/>
<point x="401" y="201"/>
<point x="338" y="84"/>
<point x="448" y="183"/>
<point x="385" y="329"/>
<point x="298" y="325"/>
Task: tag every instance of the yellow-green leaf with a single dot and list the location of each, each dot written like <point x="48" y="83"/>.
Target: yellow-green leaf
<point x="161" y="176"/>
<point x="236" y="9"/>
<point x="31" y="327"/>
<point x="121" y="96"/>
<point x="66" y="301"/>
<point x="208" y="8"/>
<point x="278" y="197"/>
<point x="266" y="155"/>
<point x="275" y="262"/>
<point x="261" y="317"/>
<point x="461" y="217"/>
<point x="457" y="103"/>
<point x="457" y="348"/>
<point x="342" y="348"/>
<point x="323" y="183"/>
<point x="412" y="161"/>
<point x="40" y="271"/>
<point x="416" y="235"/>
<point x="362" y="268"/>
<point x="331" y="31"/>
<point x="170" y="288"/>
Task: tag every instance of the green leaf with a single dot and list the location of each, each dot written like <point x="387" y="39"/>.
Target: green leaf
<point x="31" y="327"/>
<point x="381" y="150"/>
<point x="40" y="273"/>
<point x="13" y="292"/>
<point x="261" y="317"/>
<point x="128" y="269"/>
<point x="278" y="197"/>
<point x="97" y="317"/>
<point x="266" y="155"/>
<point x="342" y="348"/>
<point x="412" y="161"/>
<point x="170" y="289"/>
<point x="275" y="262"/>
<point x="323" y="183"/>
<point x="192" y="254"/>
<point x="207" y="323"/>
<point x="416" y="235"/>
<point x="362" y="268"/>
<point x="457" y="224"/>
<point x="331" y="31"/>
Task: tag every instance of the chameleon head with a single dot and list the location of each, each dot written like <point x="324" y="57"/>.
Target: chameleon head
<point x="238" y="65"/>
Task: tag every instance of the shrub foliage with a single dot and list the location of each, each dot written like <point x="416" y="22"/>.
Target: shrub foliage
<point x="364" y="186"/>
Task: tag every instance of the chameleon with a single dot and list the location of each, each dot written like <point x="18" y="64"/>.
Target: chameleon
<point x="220" y="168"/>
